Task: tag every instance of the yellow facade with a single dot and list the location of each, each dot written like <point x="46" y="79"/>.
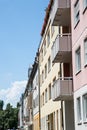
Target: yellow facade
<point x="36" y="122"/>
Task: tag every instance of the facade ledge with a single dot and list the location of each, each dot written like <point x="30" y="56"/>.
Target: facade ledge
<point x="85" y="122"/>
<point x="84" y="9"/>
<point x="79" y="123"/>
<point x="76" y="24"/>
<point x="78" y="72"/>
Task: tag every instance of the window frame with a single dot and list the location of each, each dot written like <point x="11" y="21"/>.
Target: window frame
<point x="78" y="59"/>
<point x="49" y="64"/>
<point x="44" y="47"/>
<point x="48" y="38"/>
<point x="50" y="91"/>
<point x="85" y="52"/>
<point x="46" y="95"/>
<point x="42" y="76"/>
<point x="84" y="6"/>
<point x="45" y="71"/>
<point x="76" y="13"/>
<point x="84" y="107"/>
<point x="79" y="114"/>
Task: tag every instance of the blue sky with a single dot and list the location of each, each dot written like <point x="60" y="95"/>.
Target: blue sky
<point x="20" y="26"/>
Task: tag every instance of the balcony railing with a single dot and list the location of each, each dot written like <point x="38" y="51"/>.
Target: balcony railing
<point x="61" y="48"/>
<point x="62" y="89"/>
<point x="28" y="117"/>
<point x="60" y="14"/>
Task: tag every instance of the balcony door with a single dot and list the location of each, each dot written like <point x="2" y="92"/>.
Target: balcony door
<point x="66" y="68"/>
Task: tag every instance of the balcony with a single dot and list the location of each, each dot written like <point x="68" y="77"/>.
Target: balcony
<point x="60" y="14"/>
<point x="62" y="89"/>
<point x="61" y="49"/>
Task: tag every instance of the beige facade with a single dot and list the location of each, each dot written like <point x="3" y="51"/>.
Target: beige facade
<point x="50" y="110"/>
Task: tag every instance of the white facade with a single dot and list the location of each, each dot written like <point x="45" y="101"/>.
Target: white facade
<point x="35" y="94"/>
<point x="80" y="109"/>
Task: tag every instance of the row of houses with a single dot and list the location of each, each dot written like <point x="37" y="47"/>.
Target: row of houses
<point x="55" y="97"/>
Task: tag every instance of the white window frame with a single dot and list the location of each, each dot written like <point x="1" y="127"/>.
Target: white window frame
<point x="44" y="47"/>
<point x="48" y="38"/>
<point x="76" y="13"/>
<point x="46" y="95"/>
<point x="43" y="99"/>
<point x="45" y="70"/>
<point x="42" y="76"/>
<point x="49" y="64"/>
<point x="79" y="116"/>
<point x="84" y="5"/>
<point x="50" y="94"/>
<point x="85" y="51"/>
<point x="78" y="59"/>
<point x="85" y="107"/>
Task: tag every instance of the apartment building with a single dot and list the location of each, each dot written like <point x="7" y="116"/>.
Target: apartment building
<point x="20" y="113"/>
<point x="36" y="119"/>
<point x="79" y="55"/>
<point x="62" y="53"/>
<point x="50" y="111"/>
<point x="28" y="102"/>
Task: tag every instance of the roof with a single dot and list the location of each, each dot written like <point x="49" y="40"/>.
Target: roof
<point x="48" y="9"/>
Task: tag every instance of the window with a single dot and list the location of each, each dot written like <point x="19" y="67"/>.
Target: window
<point x="44" y="47"/>
<point x="78" y="60"/>
<point x="76" y="13"/>
<point x="85" y="51"/>
<point x="42" y="76"/>
<point x="41" y="54"/>
<point x="84" y="4"/>
<point x="79" y="110"/>
<point x="53" y="87"/>
<point x="45" y="95"/>
<point x="52" y="30"/>
<point x="40" y="79"/>
<point x="49" y="64"/>
<point x="43" y="99"/>
<point x="49" y="91"/>
<point x="85" y="107"/>
<point x="37" y="80"/>
<point x="45" y="70"/>
<point x="54" y="80"/>
<point x="48" y="38"/>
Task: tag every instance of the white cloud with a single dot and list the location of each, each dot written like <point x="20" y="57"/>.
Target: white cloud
<point x="12" y="95"/>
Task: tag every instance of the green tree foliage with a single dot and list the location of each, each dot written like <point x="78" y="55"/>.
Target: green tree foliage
<point x="8" y="117"/>
<point x="1" y="104"/>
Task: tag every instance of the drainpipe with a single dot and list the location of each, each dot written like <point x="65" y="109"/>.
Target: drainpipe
<point x="62" y="122"/>
<point x="62" y="114"/>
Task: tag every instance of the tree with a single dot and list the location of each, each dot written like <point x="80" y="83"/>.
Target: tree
<point x="8" y="117"/>
<point x="1" y="104"/>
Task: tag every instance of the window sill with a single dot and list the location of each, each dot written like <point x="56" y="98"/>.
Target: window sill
<point x="84" y="9"/>
<point x="85" y="65"/>
<point x="85" y="122"/>
<point x="79" y="123"/>
<point x="78" y="72"/>
<point x="76" y="24"/>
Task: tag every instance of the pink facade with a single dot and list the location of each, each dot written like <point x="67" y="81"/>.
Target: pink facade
<point x="79" y="57"/>
<point x="79" y="33"/>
